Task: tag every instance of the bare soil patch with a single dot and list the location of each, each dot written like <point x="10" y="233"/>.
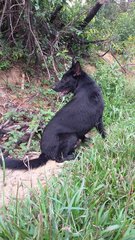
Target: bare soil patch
<point x="107" y="57"/>
<point x="17" y="184"/>
<point x="90" y="69"/>
<point x="13" y="75"/>
<point x="13" y="93"/>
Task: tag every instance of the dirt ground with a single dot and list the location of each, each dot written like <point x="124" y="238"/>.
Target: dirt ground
<point x="17" y="184"/>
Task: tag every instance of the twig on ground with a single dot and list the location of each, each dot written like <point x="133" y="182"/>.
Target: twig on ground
<point x="30" y="139"/>
<point x="31" y="135"/>
<point x="10" y="128"/>
<point x="104" y="53"/>
<point x="5" y="123"/>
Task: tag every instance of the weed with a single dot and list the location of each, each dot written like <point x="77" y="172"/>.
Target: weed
<point x="112" y="83"/>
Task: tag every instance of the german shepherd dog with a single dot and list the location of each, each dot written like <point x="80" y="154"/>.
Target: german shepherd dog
<point x="71" y="123"/>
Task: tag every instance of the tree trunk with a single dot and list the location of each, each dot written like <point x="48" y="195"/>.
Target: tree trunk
<point x="56" y="12"/>
<point x="93" y="11"/>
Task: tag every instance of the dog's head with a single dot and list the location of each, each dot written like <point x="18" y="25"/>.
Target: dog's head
<point x="69" y="81"/>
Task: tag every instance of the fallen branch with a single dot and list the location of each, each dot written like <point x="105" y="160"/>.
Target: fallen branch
<point x="123" y="68"/>
<point x="119" y="63"/>
<point x="104" y="53"/>
<point x="12" y="127"/>
<point x="5" y="123"/>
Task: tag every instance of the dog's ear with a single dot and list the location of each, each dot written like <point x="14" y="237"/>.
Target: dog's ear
<point x="77" y="69"/>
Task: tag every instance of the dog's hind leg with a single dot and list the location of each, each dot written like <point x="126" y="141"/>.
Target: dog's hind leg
<point x="100" y="128"/>
<point x="69" y="146"/>
<point x="50" y="146"/>
<point x="85" y="139"/>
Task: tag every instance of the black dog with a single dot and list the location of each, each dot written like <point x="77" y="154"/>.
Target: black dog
<point x="71" y="123"/>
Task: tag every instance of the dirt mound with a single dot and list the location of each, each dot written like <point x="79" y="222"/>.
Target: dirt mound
<point x="17" y="184"/>
<point x="10" y="79"/>
<point x="14" y="75"/>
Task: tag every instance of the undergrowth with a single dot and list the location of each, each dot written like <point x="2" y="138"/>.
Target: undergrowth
<point x="93" y="198"/>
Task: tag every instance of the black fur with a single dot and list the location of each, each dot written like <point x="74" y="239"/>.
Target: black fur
<point x="72" y="122"/>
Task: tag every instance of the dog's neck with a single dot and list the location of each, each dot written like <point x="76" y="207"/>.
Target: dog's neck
<point x="81" y="82"/>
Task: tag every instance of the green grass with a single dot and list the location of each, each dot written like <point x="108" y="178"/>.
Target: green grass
<point x="94" y="197"/>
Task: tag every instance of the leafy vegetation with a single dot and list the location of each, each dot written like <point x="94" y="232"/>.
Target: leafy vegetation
<point x="112" y="82"/>
<point x="44" y="32"/>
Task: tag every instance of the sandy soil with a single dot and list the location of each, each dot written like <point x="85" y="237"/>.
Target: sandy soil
<point x="17" y="184"/>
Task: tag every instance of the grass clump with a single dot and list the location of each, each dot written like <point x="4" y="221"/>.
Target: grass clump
<point x="93" y="198"/>
<point x="112" y="83"/>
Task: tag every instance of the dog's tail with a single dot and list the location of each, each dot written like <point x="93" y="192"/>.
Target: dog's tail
<point x="11" y="163"/>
